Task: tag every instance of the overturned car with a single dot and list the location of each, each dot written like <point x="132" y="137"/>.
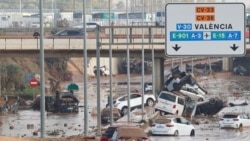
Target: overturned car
<point x="64" y="102"/>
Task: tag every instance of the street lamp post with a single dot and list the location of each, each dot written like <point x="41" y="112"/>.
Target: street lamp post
<point x="20" y="6"/>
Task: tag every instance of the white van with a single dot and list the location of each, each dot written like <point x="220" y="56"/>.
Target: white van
<point x="170" y="103"/>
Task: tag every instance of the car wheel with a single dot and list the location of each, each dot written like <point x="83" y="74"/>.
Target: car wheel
<point x="200" y="99"/>
<point x="192" y="133"/>
<point x="176" y="133"/>
<point x="124" y="111"/>
<point x="150" y="102"/>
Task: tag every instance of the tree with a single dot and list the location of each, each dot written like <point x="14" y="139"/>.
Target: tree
<point x="11" y="78"/>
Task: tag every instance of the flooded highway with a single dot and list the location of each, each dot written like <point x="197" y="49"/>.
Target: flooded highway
<point x="26" y="123"/>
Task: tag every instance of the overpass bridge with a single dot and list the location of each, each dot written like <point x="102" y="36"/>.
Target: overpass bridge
<point x="154" y="37"/>
<point x="26" y="45"/>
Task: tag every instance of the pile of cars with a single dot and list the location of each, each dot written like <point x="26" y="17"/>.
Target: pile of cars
<point x="185" y="99"/>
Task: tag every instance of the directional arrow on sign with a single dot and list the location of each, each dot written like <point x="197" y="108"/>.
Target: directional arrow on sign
<point x="234" y="47"/>
<point x="176" y="47"/>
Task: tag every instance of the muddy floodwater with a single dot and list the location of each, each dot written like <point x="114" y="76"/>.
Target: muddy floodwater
<point x="232" y="88"/>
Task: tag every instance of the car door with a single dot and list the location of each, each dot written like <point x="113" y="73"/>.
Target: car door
<point x="180" y="126"/>
<point x="135" y="100"/>
<point x="245" y="119"/>
<point x="187" y="127"/>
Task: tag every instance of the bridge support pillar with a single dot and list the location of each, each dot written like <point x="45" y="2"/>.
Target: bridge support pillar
<point x="227" y="64"/>
<point x="159" y="74"/>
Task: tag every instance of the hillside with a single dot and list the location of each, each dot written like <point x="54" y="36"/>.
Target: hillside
<point x="59" y="69"/>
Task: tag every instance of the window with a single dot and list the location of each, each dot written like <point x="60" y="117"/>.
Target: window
<point x="72" y="33"/>
<point x="184" y="121"/>
<point x="178" y="120"/>
<point x="180" y="101"/>
<point x="168" y="97"/>
<point x="134" y="96"/>
<point x="124" y="98"/>
<point x="230" y="116"/>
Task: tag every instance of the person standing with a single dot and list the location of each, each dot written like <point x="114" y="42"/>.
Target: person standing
<point x="36" y="34"/>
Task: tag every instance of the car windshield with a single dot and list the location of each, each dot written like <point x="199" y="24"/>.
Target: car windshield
<point x="91" y="24"/>
<point x="168" y="97"/>
<point x="230" y="116"/>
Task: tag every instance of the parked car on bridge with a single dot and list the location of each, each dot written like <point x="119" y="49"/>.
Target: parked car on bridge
<point x="90" y="26"/>
<point x="121" y="102"/>
<point x="68" y="33"/>
<point x="172" y="125"/>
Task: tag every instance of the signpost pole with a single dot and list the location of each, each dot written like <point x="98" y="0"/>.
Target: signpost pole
<point x="33" y="94"/>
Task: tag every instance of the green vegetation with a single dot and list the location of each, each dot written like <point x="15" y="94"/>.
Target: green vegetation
<point x="12" y="74"/>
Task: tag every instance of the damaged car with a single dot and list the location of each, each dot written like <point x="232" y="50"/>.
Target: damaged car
<point x="177" y="104"/>
<point x="64" y="102"/>
<point x="121" y="102"/>
<point x="180" y="97"/>
<point x="105" y="115"/>
<point x="104" y="71"/>
<point x="194" y="92"/>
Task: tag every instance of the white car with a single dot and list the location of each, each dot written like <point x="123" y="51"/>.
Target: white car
<point x="104" y="71"/>
<point x="193" y="91"/>
<point x="170" y="103"/>
<point x="234" y="120"/>
<point x="135" y="101"/>
<point x="148" y="86"/>
<point x="172" y="125"/>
